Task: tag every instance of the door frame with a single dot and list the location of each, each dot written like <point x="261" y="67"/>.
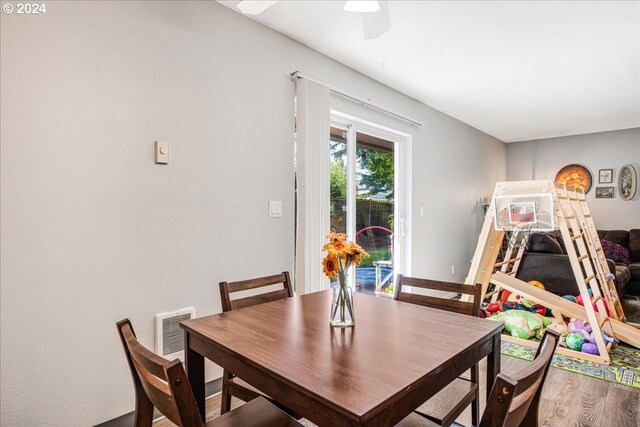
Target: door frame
<point x="402" y="183"/>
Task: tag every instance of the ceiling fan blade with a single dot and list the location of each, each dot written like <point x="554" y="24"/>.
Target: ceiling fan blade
<point x="375" y="24"/>
<point x="254" y="7"/>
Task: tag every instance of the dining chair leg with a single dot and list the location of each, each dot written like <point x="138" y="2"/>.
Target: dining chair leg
<point x="493" y="363"/>
<point x="144" y="410"/>
<point x="225" y="404"/>
<point x="475" y="405"/>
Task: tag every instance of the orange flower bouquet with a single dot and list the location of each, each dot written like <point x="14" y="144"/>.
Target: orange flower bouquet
<point x="341" y="255"/>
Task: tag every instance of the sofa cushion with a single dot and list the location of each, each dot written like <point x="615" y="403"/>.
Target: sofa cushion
<point x="558" y="236"/>
<point x="543" y="243"/>
<point x="634" y="269"/>
<point x="619" y="237"/>
<point x="623" y="275"/>
<point x="615" y="252"/>
<point x="634" y="244"/>
<point x="553" y="271"/>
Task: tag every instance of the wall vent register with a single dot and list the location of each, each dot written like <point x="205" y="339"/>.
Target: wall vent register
<point x="169" y="342"/>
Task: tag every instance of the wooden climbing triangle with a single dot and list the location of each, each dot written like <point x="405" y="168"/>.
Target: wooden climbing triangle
<point x="520" y="207"/>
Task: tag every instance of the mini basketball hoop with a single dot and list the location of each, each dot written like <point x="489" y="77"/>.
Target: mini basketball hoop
<point x="517" y="235"/>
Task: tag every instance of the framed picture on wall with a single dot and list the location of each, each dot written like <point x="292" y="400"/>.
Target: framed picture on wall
<point x="605" y="176"/>
<point x="576" y="176"/>
<point x="604" y="192"/>
<point x="627" y="182"/>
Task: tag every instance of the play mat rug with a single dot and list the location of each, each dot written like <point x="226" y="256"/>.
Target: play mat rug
<point x="624" y="368"/>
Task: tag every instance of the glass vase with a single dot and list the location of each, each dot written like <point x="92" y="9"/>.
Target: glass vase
<point x="342" y="309"/>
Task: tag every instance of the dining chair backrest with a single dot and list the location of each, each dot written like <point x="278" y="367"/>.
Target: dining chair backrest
<point x="158" y="383"/>
<point x="229" y="288"/>
<point x="462" y="307"/>
<point x="514" y="400"/>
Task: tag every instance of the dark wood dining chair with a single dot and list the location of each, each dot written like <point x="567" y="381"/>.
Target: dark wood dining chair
<point x="514" y="400"/>
<point x="164" y="385"/>
<point x="231" y="384"/>
<point x="450" y="402"/>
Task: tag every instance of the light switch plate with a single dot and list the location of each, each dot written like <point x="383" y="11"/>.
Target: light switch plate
<point x="161" y="150"/>
<point x="275" y="209"/>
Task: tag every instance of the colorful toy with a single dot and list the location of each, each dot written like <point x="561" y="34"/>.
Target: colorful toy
<point x="531" y="306"/>
<point x="536" y="284"/>
<point x="570" y="298"/>
<point x="522" y="303"/>
<point x="501" y="306"/>
<point x="589" y="346"/>
<point x="595" y="307"/>
<point x="522" y="324"/>
<point x="607" y="338"/>
<point x="574" y="341"/>
<point x="508" y="296"/>
<point x="579" y="327"/>
<point x="493" y="307"/>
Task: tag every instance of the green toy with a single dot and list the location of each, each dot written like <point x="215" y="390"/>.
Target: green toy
<point x="522" y="324"/>
<point x="574" y="341"/>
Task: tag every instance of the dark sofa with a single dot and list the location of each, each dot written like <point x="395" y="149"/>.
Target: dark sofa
<point x="546" y="260"/>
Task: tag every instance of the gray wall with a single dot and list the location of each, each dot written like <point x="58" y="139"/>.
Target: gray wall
<point x="542" y="159"/>
<point x="92" y="231"/>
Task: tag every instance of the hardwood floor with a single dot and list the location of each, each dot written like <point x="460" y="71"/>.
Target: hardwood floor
<point x="569" y="400"/>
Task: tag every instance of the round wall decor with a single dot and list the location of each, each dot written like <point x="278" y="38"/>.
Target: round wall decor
<point x="576" y="176"/>
<point x="627" y="182"/>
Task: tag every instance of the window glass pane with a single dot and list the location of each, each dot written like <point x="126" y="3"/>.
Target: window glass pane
<point x="338" y="179"/>
<point x="374" y="213"/>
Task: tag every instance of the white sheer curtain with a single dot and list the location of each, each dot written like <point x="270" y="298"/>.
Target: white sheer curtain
<point x="312" y="164"/>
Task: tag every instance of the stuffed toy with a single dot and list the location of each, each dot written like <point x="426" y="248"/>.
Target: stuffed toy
<point x="595" y="307"/>
<point x="493" y="307"/>
<point x="536" y="284"/>
<point x="522" y="324"/>
<point x="579" y="327"/>
<point x="508" y="296"/>
<point x="607" y="338"/>
<point x="524" y="303"/>
<point x="496" y="307"/>
<point x="528" y="305"/>
<point x="590" y="346"/>
<point x="574" y="341"/>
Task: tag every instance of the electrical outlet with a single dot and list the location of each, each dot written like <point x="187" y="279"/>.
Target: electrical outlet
<point x="453" y="270"/>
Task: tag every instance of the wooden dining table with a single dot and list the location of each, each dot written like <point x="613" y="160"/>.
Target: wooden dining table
<point x="375" y="373"/>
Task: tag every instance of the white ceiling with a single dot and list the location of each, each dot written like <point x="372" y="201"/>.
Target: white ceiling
<point x="515" y="70"/>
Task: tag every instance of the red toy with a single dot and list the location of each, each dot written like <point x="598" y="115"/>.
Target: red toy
<point x="595" y="307"/>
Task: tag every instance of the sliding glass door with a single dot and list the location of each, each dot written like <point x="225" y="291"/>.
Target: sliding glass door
<point x="365" y="187"/>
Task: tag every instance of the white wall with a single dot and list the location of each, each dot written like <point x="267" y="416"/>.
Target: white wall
<point x="542" y="159"/>
<point x="93" y="231"/>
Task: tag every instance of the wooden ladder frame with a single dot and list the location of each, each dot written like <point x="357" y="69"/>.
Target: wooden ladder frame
<point x="596" y="253"/>
<point x="589" y="265"/>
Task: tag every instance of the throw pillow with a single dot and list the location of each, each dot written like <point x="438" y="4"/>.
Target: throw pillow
<point x="615" y="252"/>
<point x="543" y="243"/>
